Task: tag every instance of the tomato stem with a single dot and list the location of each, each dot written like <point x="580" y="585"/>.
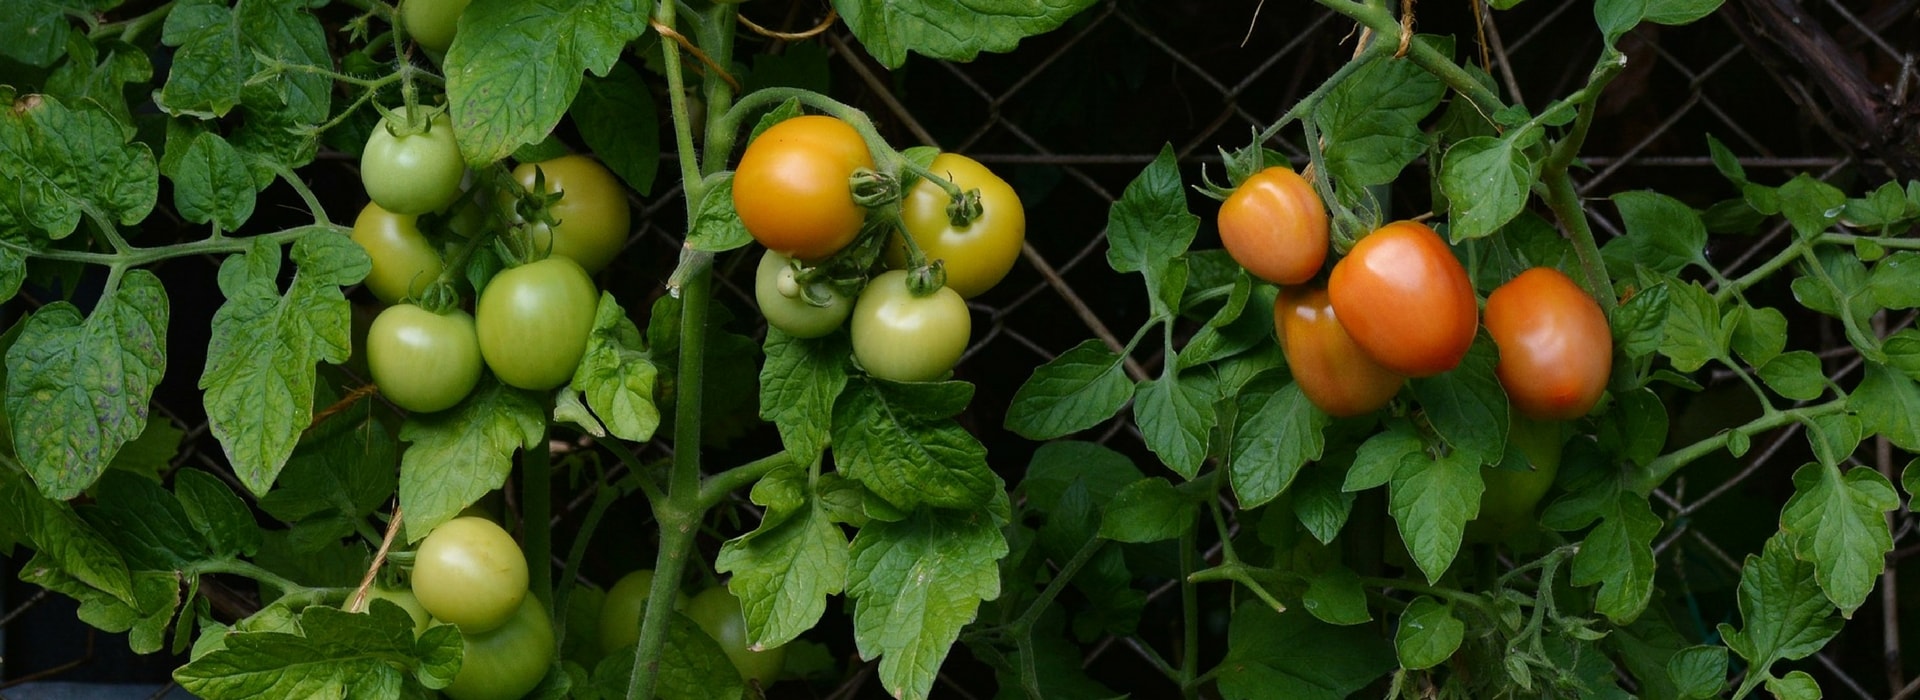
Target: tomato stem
<point x="536" y="512"/>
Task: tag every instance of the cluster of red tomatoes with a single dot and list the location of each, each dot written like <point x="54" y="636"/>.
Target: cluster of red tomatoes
<point x="1400" y="306"/>
<point x="792" y="193"/>
<point x="531" y="323"/>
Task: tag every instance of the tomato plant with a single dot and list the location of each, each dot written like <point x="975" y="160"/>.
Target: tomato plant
<point x="791" y="189"/>
<point x="423" y="361"/>
<point x="978" y="255"/>
<point x="717" y="612"/>
<point x="1556" y="351"/>
<point x="1513" y="494"/>
<point x="432" y="22"/>
<point x="787" y="305"/>
<point x="905" y="338"/>
<point x="505" y="663"/>
<point x="533" y="322"/>
<point x="404" y="262"/>
<point x="470" y="573"/>
<point x="591" y="217"/>
<point x="620" y="614"/>
<point x="1406" y="301"/>
<point x="407" y="601"/>
<point x="1334" y="374"/>
<point x="412" y="172"/>
<point x="1275" y="225"/>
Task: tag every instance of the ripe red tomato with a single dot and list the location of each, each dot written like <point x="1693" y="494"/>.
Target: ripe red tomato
<point x="1275" y="225"/>
<point x="791" y="187"/>
<point x="1329" y="368"/>
<point x="1406" y="300"/>
<point x="1556" y="352"/>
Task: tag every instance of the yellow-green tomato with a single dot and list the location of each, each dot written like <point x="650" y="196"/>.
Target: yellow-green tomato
<point x="469" y="572"/>
<point x="404" y="263"/>
<point x="905" y="338"/>
<point x="432" y="22"/>
<point x="534" y="321"/>
<point x="423" y="361"/>
<point x="626" y="602"/>
<point x="406" y="600"/>
<point x="977" y="256"/>
<point x="717" y="612"/>
<point x="592" y="215"/>
<point x="508" y="661"/>
<point x="786" y="305"/>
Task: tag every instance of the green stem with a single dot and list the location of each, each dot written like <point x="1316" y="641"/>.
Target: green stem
<point x="717" y="487"/>
<point x="1382" y="22"/>
<point x="1463" y="597"/>
<point x="1565" y="202"/>
<point x="299" y="186"/>
<point x="131" y="28"/>
<point x="1189" y="611"/>
<point x="715" y="34"/>
<point x="1312" y="100"/>
<point x="237" y="567"/>
<point x="536" y="513"/>
<point x="603" y="498"/>
<point x="1766" y="269"/>
<point x="1645" y="479"/>
<point x="640" y="476"/>
<point x="140" y="257"/>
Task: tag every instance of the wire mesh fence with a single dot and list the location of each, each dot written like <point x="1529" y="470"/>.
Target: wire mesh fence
<point x="1072" y="116"/>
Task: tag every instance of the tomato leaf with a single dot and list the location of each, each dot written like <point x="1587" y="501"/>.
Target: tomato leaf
<point x="1699" y="671"/>
<point x="1888" y="404"/>
<point x="1759" y="335"/>
<point x="1810" y="205"/>
<point x="213" y="510"/>
<point x="211" y="181"/>
<point x="916" y="582"/>
<point x="1291" y="655"/>
<point x="1636" y="426"/>
<point x="1276" y="433"/>
<point x="1428" y="634"/>
<point x="1796" y="685"/>
<point x="1663" y="234"/>
<point x="1318" y="501"/>
<point x="1467" y="406"/>
<point x="64" y="161"/>
<point x="38" y="29"/>
<point x="1148" y="510"/>
<point x="78" y="390"/>
<point x="1696" y="331"/>
<point x="334" y="653"/>
<point x="220" y="65"/>
<point x="1783" y="613"/>
<point x="343" y="469"/>
<point x="1837" y="522"/>
<point x="1640" y="322"/>
<point x="617" y="119"/>
<point x="1056" y="466"/>
<point x="798" y="386"/>
<point x="1070" y="393"/>
<point x="1175" y="418"/>
<point x="64" y="543"/>
<point x="1371" y="120"/>
<point x="259" y="375"/>
<point x="616" y="375"/>
<point x="515" y="66"/>
<point x="1150" y="226"/>
<point x="1432" y="500"/>
<point x="951" y="30"/>
<point x="897" y="440"/>
<point x="143" y="616"/>
<point x="460" y="454"/>
<point x="1485" y="179"/>
<point x="1337" y="597"/>
<point x="692" y="667"/>
<point x="1796" y="375"/>
<point x="785" y="569"/>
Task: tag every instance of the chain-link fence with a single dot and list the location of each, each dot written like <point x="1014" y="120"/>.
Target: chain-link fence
<point x="1072" y="116"/>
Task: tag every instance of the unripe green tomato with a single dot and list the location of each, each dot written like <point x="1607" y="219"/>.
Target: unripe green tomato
<point x="534" y="322"/>
<point x="416" y="173"/>
<point x="1508" y="504"/>
<point x="717" y="612"/>
<point x="432" y="22"/>
<point x="592" y="213"/>
<point x="469" y="572"/>
<point x="626" y="602"/>
<point x="784" y="304"/>
<point x="506" y="663"/>
<point x="404" y="263"/>
<point x="423" y="361"/>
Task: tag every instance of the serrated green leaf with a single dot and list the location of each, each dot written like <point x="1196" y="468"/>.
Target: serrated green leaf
<point x="99" y="73"/>
<point x="951" y="30"/>
<point x="1760" y="334"/>
<point x="1638" y="424"/>
<point x="1615" y="17"/>
<point x="38" y="29"/>
<point x="458" y="455"/>
<point x="1175" y="418"/>
<point x="1467" y="406"/>
<point x="909" y="458"/>
<point x="1381" y="456"/>
<point x="1796" y="375"/>
<point x="221" y="518"/>
<point x="1072" y="392"/>
<point x="211" y="182"/>
<point x="1058" y="465"/>
<point x="346" y="465"/>
<point x="1888" y="404"/>
<point x="1291" y="655"/>
<point x="618" y="121"/>
<point x="1318" y="500"/>
<point x="78" y="390"/>
<point x="1699" y="671"/>
<point x="145" y="522"/>
<point x="784" y="571"/>
<point x="1837" y="522"/>
<point x="63" y="541"/>
<point x="617" y="376"/>
<point x="1275" y="434"/>
<point x="63" y="161"/>
<point x="220" y="52"/>
<point x="798" y="386"/>
<point x="1810" y="205"/>
<point x="1696" y="331"/>
<point x="1371" y="121"/>
<point x="1618" y="555"/>
<point x="1337" y="597"/>
<point x="1783" y="613"/>
<point x="1895" y="281"/>
<point x="259" y="376"/>
<point x="1150" y="225"/>
<point x="916" y="583"/>
<point x="1663" y="235"/>
<point x="716" y="225"/>
<point x="334" y="654"/>
<point x="1428" y="634"/>
<point x="1149" y="510"/>
<point x="156" y="595"/>
<point x="1485" y="179"/>
<point x="1432" y="500"/>
<point x="515" y="67"/>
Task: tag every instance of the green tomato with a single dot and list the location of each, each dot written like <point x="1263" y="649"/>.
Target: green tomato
<point x="432" y="22"/>
<point x="508" y="661"/>
<point x="534" y="322"/>
<point x="412" y="174"/>
<point x="905" y="338"/>
<point x="1507" y="505"/>
<point x="404" y="263"/>
<point x="626" y="602"/>
<point x="592" y="217"/>
<point x="406" y="600"/>
<point x="469" y="572"/>
<point x="717" y="612"/>
<point x="423" y="361"/>
<point x="785" y="304"/>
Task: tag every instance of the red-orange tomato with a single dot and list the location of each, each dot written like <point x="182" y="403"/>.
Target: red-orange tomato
<point x="791" y="187"/>
<point x="1275" y="226"/>
<point x="1327" y="366"/>
<point x="1556" y="352"/>
<point x="1406" y="300"/>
